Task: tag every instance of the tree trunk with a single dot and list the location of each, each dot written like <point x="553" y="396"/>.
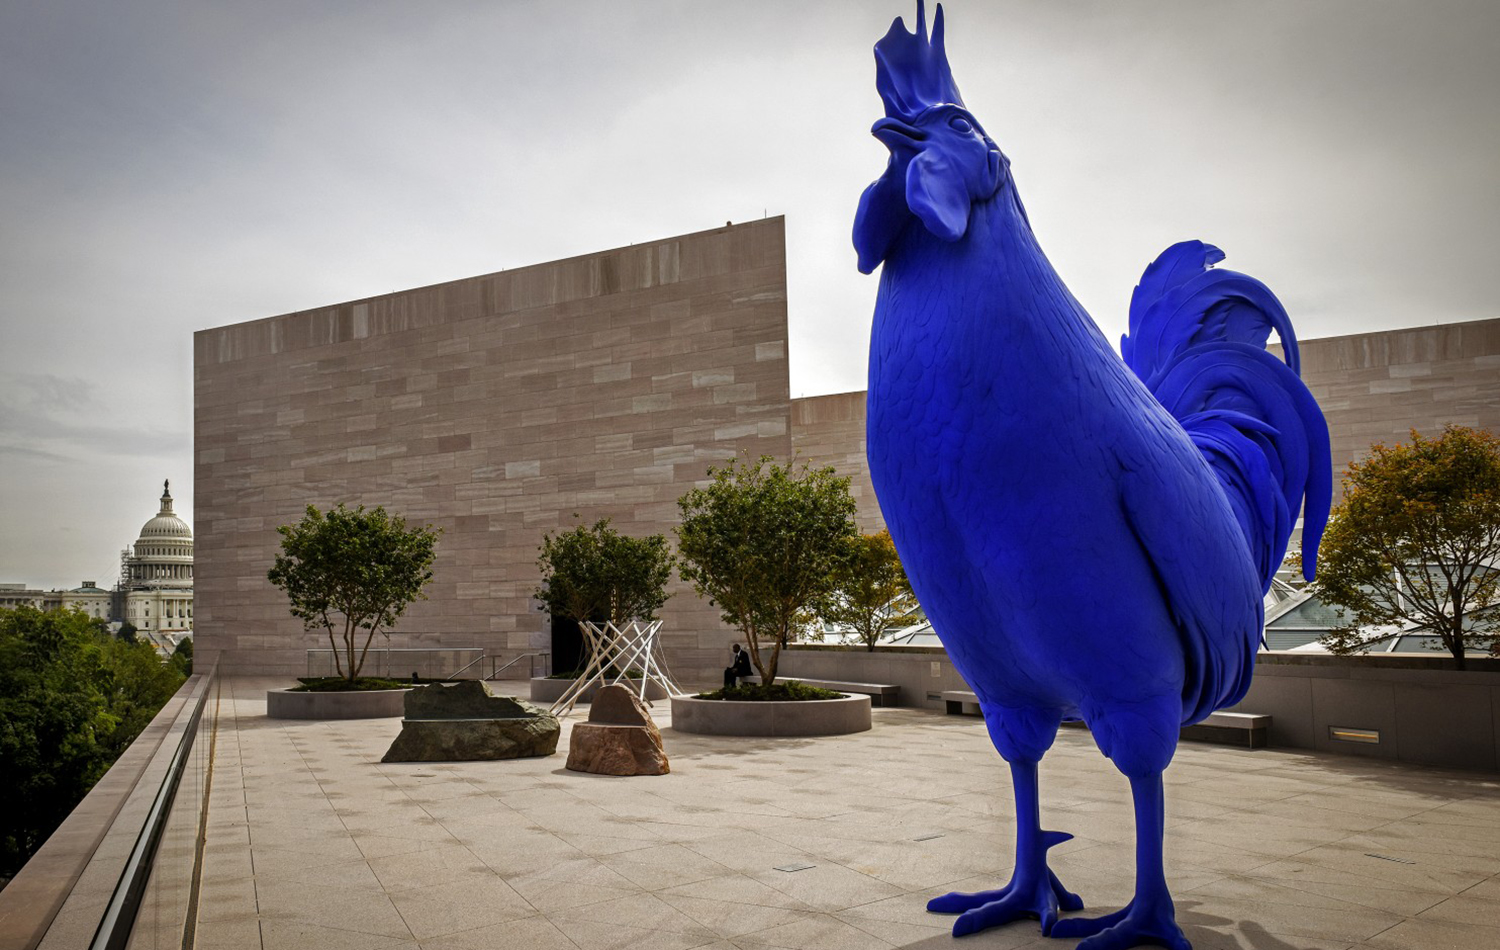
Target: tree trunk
<point x="349" y="645"/>
<point x="1455" y="640"/>
<point x="333" y="647"/>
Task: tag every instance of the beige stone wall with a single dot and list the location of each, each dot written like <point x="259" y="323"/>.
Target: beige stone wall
<point x="495" y="407"/>
<point x="498" y="406"/>
<point x="1373" y="387"/>
<point x="1377" y="387"/>
<point x="830" y="430"/>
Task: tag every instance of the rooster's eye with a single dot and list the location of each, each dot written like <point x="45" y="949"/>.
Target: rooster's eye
<point x="959" y="124"/>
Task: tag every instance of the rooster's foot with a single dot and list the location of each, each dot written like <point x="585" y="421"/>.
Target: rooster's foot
<point x="1153" y="924"/>
<point x="1036" y="895"/>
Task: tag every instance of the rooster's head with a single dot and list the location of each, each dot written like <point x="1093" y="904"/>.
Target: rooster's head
<point x="941" y="159"/>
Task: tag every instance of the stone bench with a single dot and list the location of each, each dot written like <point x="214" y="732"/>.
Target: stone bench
<point x="881" y="694"/>
<point x="961" y="702"/>
<point x="1248" y="730"/>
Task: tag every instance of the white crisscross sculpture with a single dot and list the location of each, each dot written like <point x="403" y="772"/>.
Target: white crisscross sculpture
<point x="612" y="652"/>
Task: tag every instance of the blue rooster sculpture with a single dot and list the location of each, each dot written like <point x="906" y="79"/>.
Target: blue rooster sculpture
<point x="1091" y="537"/>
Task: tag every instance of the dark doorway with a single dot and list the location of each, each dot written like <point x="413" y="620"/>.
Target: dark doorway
<point x="567" y="645"/>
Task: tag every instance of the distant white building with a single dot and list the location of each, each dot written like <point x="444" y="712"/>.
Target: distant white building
<point x="87" y="597"/>
<point x="155" y="591"/>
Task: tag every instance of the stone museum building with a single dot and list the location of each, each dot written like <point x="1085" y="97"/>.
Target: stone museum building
<point x="507" y="405"/>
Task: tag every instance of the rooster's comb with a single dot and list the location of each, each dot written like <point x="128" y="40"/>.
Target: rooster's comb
<point x="911" y="71"/>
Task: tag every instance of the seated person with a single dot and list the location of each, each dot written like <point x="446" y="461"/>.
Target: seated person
<point x="738" y="667"/>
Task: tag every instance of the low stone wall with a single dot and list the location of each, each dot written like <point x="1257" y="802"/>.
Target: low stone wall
<point x="921" y="672"/>
<point x="1414" y="709"/>
<point x="353" y="704"/>
<point x="814" y="717"/>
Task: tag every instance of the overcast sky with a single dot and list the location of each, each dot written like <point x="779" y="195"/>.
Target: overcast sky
<point x="167" y="167"/>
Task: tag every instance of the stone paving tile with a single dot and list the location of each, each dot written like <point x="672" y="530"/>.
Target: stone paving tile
<point x="455" y="906"/>
<point x="821" y="930"/>
<point x="663" y="866"/>
<point x="646" y="911"/>
<point x="1428" y="934"/>
<point x="240" y="933"/>
<point x="730" y="919"/>
<point x="527" y="933"/>
<point x="314" y="843"/>
<point x="288" y="933"/>
<point x="439" y="865"/>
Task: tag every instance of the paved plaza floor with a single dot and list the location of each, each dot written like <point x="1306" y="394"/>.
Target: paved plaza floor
<point x="315" y="844"/>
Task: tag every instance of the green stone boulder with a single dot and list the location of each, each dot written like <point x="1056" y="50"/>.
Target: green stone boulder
<point x="467" y="722"/>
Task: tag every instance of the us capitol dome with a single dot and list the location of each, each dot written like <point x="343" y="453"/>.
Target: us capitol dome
<point x="156" y="575"/>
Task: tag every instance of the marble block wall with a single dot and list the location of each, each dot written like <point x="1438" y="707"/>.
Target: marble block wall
<point x="1377" y="387"/>
<point x="830" y="430"/>
<point x="496" y="407"/>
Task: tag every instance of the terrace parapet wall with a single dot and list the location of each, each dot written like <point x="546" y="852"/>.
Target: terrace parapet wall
<point x="1418" y="709"/>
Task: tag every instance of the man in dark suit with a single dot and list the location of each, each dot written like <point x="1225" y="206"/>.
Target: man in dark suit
<point x="739" y="666"/>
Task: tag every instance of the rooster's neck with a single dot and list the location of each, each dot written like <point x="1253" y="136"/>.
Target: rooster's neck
<point x="992" y="294"/>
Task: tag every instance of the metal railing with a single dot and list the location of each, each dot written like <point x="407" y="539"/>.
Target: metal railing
<point x="542" y="656"/>
<point x="171" y="888"/>
<point x="123" y="869"/>
<point x="430" y="663"/>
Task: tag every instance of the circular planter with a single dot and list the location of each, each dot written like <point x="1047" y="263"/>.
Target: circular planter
<point x="365" y="704"/>
<point x="814" y="717"/>
<point x="544" y="690"/>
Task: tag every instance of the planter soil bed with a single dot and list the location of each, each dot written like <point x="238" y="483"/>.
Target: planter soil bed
<point x="352" y="704"/>
<point x="814" y="717"/>
<point x="548" y="691"/>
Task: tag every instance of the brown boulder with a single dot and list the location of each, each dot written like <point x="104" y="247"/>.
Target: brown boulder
<point x="618" y="739"/>
<point x="616" y="750"/>
<point x="618" y="706"/>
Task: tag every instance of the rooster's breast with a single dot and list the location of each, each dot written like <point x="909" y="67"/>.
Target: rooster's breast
<point x="998" y="472"/>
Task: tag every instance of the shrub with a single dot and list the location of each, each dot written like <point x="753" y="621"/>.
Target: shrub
<point x="364" y="566"/>
<point x="791" y="690"/>
<point x="763" y="542"/>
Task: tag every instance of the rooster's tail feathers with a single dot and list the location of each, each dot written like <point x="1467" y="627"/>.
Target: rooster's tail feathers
<point x="1197" y="339"/>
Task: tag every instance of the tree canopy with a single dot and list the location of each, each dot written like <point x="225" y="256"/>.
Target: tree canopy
<point x="72" y="698"/>
<point x="354" y="569"/>
<point x="762" y="542"/>
<point x="596" y="573"/>
<point x="1416" y="540"/>
<point x="870" y="591"/>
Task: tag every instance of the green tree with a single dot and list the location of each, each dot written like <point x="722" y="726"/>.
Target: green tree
<point x="136" y="684"/>
<point x="71" y="699"/>
<point x="594" y="573"/>
<point x="762" y="542"/>
<point x="1416" y="539"/>
<point x="127" y="632"/>
<point x="870" y="591"/>
<point x="354" y="569"/>
<point x="182" y="656"/>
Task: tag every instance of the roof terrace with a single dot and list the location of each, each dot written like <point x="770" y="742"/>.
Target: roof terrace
<point x="313" y="843"/>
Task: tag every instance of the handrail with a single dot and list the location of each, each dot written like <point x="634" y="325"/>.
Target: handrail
<point x="383" y="658"/>
<point x="477" y="659"/>
<point x="39" y="898"/>
<point x="124" y="903"/>
<point x="496" y="672"/>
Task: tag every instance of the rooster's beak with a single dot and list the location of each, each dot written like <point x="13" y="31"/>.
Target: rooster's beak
<point x="895" y="134"/>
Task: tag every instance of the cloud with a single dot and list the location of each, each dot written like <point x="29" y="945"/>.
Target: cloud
<point x="51" y="417"/>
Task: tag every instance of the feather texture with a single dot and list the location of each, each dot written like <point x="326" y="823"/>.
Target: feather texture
<point x="1198" y="341"/>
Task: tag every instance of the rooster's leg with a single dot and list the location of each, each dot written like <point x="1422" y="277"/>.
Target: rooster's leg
<point x="1034" y="890"/>
<point x="1149" y="918"/>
